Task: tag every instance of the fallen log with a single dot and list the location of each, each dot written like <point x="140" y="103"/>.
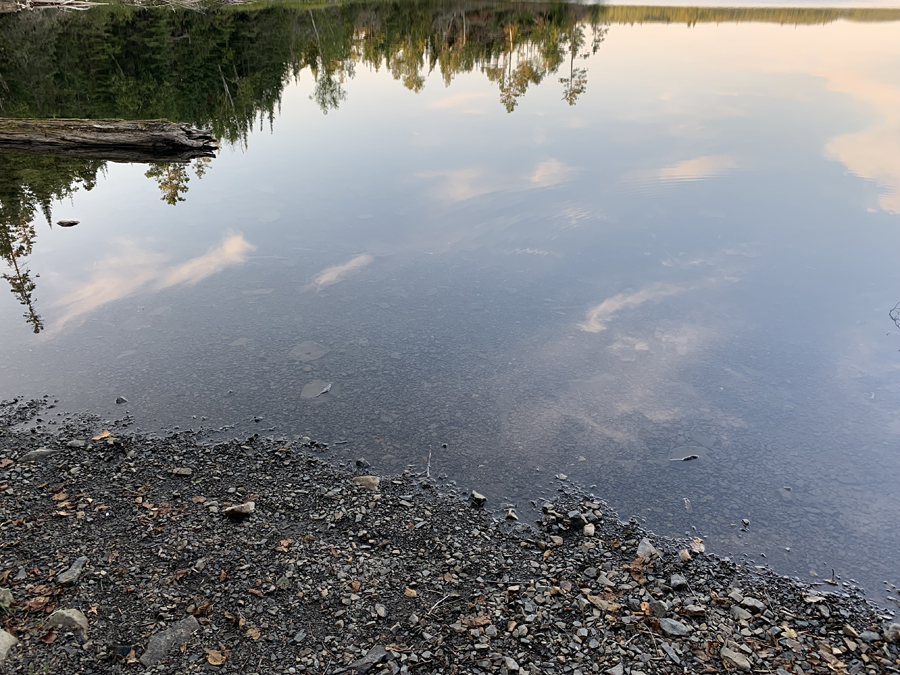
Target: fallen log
<point x="151" y="139"/>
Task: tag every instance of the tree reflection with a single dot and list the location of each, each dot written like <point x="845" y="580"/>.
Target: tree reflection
<point x="29" y="184"/>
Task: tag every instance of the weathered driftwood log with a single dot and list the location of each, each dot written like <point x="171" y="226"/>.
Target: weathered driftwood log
<point x="150" y="139"/>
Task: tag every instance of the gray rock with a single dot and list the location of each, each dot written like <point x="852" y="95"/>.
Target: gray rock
<point x="673" y="628"/>
<point x="754" y="605"/>
<point x="618" y="669"/>
<point x="869" y="636"/>
<point x="740" y="613"/>
<point x="7" y="599"/>
<point x="695" y="610"/>
<point x="510" y="664"/>
<point x="678" y="582"/>
<point x="375" y="656"/>
<point x="40" y="453"/>
<point x="380" y="610"/>
<point x="121" y="399"/>
<point x="70" y="576"/>
<point x="667" y="648"/>
<point x="300" y="636"/>
<point x="240" y="511"/>
<point x="75" y="444"/>
<point x="850" y="631"/>
<point x="7" y="642"/>
<point x="160" y="644"/>
<point x="477" y="498"/>
<point x="892" y="633"/>
<point x="734" y="660"/>
<point x="72" y="619"/>
<point x="646" y="550"/>
<point x="660" y="609"/>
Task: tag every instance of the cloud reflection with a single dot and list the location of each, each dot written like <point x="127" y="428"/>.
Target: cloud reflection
<point x="597" y="318"/>
<point x="336" y="273"/>
<point x="697" y="169"/>
<point x="124" y="273"/>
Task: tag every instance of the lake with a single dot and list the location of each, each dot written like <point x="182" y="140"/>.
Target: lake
<point x="502" y="242"/>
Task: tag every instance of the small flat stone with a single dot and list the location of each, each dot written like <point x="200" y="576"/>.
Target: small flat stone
<point x="754" y="605"/>
<point x="646" y="550"/>
<point x="72" y="619"/>
<point x="40" y="453"/>
<point x="869" y="636"/>
<point x="660" y="609"/>
<point x="7" y="599"/>
<point x="160" y="644"/>
<point x="740" y="613"/>
<point x="182" y="471"/>
<point x="678" y="582"/>
<point x="667" y="648"/>
<point x="121" y="399"/>
<point x="588" y="530"/>
<point x="70" y="576"/>
<point x="477" y="498"/>
<point x="368" y="482"/>
<point x="240" y="511"/>
<point x="733" y="659"/>
<point x="892" y="633"/>
<point x="673" y="628"/>
<point x="374" y="656"/>
<point x="7" y="642"/>
<point x="618" y="669"/>
<point x="75" y="444"/>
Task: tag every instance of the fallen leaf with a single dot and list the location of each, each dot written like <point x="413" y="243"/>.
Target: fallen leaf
<point x="48" y="638"/>
<point x="131" y="657"/>
<point x="92" y="610"/>
<point x="223" y="576"/>
<point x="355" y="586"/>
<point x="254" y="633"/>
<point x="547" y="553"/>
<point x="286" y="542"/>
<point x="684" y="554"/>
<point x="60" y="497"/>
<point x="475" y="621"/>
<point x="5" y="461"/>
<point x="697" y="545"/>
<point x="37" y="603"/>
<point x="409" y="593"/>
<point x="198" y="499"/>
<point x="101" y="436"/>
<point x="215" y="657"/>
<point x="255" y="592"/>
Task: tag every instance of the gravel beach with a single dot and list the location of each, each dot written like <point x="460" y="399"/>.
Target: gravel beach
<point x="125" y="553"/>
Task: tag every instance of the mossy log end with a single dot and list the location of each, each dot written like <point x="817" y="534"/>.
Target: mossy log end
<point x="158" y="138"/>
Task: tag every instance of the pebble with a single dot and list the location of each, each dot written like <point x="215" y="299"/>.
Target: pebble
<point x="734" y="659"/>
<point x="678" y="582"/>
<point x="121" y="399"/>
<point x="72" y="619"/>
<point x="160" y="644"/>
<point x="477" y="498"/>
<point x="182" y="471"/>
<point x="6" y="598"/>
<point x="673" y="628"/>
<point x="7" y="642"/>
<point x="646" y="550"/>
<point x="40" y="453"/>
<point x="71" y="575"/>
<point x="240" y="511"/>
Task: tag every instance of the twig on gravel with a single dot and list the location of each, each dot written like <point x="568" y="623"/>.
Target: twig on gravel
<point x="434" y="606"/>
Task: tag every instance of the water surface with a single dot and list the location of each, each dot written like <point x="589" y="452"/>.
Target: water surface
<point x="559" y="239"/>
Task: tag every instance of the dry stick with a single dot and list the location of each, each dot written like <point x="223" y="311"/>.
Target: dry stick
<point x="428" y="468"/>
<point x="434" y="606"/>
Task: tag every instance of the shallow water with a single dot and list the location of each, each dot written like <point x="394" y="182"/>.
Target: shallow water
<point x="679" y="240"/>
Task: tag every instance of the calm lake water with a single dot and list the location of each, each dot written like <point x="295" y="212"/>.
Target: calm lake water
<point x="557" y="238"/>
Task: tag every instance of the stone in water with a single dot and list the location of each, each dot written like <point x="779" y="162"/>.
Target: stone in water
<point x="308" y="351"/>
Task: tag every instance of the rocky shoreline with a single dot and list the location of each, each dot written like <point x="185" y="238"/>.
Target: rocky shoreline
<point x="124" y="553"/>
